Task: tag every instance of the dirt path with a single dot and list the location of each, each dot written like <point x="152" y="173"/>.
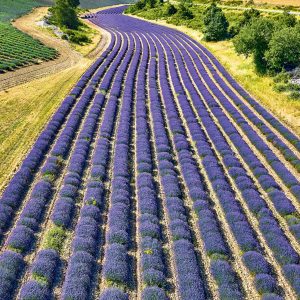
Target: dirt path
<point x="68" y="57"/>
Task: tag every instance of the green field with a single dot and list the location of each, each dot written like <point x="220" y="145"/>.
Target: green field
<point x="18" y="49"/>
<point x="11" y="9"/>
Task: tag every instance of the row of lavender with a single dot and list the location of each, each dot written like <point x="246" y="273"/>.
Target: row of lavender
<point x="230" y="168"/>
<point x="20" y="241"/>
<point x="78" y="280"/>
<point x="187" y="192"/>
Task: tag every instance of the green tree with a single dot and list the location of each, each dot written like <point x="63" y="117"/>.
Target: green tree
<point x="284" y="49"/>
<point x="285" y="20"/>
<point x="74" y="3"/>
<point x="170" y="10"/>
<point x="254" y="39"/>
<point x="249" y="15"/>
<point x="184" y="12"/>
<point x="215" y="23"/>
<point x="65" y="15"/>
<point x="151" y="3"/>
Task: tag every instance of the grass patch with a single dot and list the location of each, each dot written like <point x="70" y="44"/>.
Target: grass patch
<point x="54" y="238"/>
<point x="40" y="279"/>
<point x="25" y="110"/>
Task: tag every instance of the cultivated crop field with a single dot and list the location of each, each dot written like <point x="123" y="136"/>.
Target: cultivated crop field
<point x="159" y="177"/>
<point x="28" y="51"/>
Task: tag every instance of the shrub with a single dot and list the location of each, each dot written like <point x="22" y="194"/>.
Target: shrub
<point x="77" y="37"/>
<point x="184" y="12"/>
<point x="64" y="14"/>
<point x="215" y="23"/>
<point x="286" y="20"/>
<point x="294" y="95"/>
<point x="54" y="239"/>
<point x="284" y="49"/>
<point x="170" y="10"/>
<point x="254" y="39"/>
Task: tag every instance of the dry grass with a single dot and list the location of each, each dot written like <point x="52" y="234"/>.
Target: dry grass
<point x="24" y="112"/>
<point x="279" y="2"/>
<point x="261" y="88"/>
<point x="26" y="108"/>
<point x="242" y="70"/>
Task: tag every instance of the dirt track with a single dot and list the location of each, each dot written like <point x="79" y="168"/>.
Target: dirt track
<point x="67" y="58"/>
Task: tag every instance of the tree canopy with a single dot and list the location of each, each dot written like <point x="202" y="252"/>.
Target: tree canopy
<point x="64" y="13"/>
<point x="215" y="23"/>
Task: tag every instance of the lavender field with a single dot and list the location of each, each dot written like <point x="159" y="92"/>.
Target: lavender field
<point x="159" y="177"/>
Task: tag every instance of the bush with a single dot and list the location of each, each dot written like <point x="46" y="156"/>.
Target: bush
<point x="247" y="18"/>
<point x="55" y="238"/>
<point x="77" y="37"/>
<point x="254" y="39"/>
<point x="64" y="14"/>
<point x="286" y="20"/>
<point x="284" y="49"/>
<point x="215" y="23"/>
<point x="184" y="12"/>
<point x="294" y="95"/>
<point x="170" y="10"/>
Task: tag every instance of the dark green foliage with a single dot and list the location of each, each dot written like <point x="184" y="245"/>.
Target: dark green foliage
<point x="295" y="95"/>
<point x="215" y="23"/>
<point x="74" y="3"/>
<point x="64" y="14"/>
<point x="249" y="15"/>
<point x="150" y="3"/>
<point x="254" y="39"/>
<point x="136" y="7"/>
<point x="285" y="20"/>
<point x="170" y="10"/>
<point x="77" y="37"/>
<point x="184" y="12"/>
<point x="284" y="49"/>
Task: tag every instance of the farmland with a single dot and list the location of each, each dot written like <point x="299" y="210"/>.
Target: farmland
<point x="29" y="50"/>
<point x="158" y="177"/>
<point x="18" y="49"/>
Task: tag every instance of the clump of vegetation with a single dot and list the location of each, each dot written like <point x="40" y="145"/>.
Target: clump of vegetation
<point x="65" y="16"/>
<point x="248" y="16"/>
<point x="284" y="49"/>
<point x="283" y="82"/>
<point x="170" y="10"/>
<point x="54" y="238"/>
<point x="274" y="43"/>
<point x="254" y="39"/>
<point x="215" y="24"/>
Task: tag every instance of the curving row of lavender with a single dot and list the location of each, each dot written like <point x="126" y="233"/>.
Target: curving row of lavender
<point x="159" y="177"/>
